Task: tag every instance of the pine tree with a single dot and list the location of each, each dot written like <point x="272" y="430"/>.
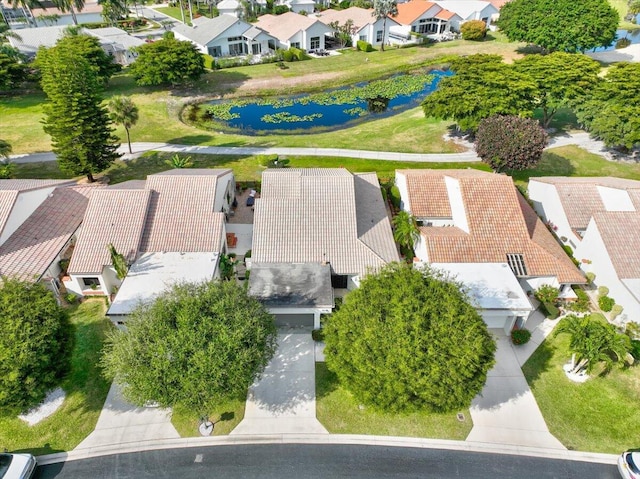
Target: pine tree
<point x="80" y="127"/>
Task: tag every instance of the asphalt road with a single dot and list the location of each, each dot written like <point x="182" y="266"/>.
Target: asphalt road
<point x="295" y="461"/>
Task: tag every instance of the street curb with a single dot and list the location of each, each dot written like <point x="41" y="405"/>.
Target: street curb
<point x="322" y="439"/>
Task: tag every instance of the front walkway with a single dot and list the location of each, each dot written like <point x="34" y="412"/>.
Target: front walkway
<point x="283" y="401"/>
<point x="123" y="423"/>
<point x="506" y="411"/>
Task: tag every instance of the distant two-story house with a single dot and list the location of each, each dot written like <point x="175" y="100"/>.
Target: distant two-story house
<point x="477" y="227"/>
<point x="426" y="18"/>
<point x="294" y="30"/>
<point x="170" y="228"/>
<point x="316" y="230"/>
<point x="599" y="219"/>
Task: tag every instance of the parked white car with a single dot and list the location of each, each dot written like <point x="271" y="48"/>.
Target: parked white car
<point x="629" y="465"/>
<point x="17" y="466"/>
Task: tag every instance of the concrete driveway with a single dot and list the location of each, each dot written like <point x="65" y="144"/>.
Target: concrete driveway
<point x="121" y="422"/>
<point x="506" y="411"/>
<point x="283" y="401"/>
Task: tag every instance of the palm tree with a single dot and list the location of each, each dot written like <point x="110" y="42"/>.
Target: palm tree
<point x="383" y="9"/>
<point x="405" y="230"/>
<point x="124" y="112"/>
<point x="593" y="342"/>
<point x="69" y="6"/>
<point x="5" y="150"/>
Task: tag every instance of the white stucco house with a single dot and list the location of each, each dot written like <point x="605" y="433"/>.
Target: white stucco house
<point x="367" y="27"/>
<point x="427" y="18"/>
<point x="599" y="218"/>
<point x="315" y="231"/>
<point x="295" y="30"/>
<point x="479" y="228"/>
<point x="170" y="228"/>
<point x="466" y="10"/>
<point x="46" y="14"/>
<point x="225" y="36"/>
<point x="38" y="223"/>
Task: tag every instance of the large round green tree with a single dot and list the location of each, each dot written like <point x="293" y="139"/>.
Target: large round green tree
<point x="195" y="345"/>
<point x="560" y="25"/>
<point x="409" y="339"/>
<point x="35" y="344"/>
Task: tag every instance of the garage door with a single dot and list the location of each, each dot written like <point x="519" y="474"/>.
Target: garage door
<point x="294" y="320"/>
<point x="495" y="320"/>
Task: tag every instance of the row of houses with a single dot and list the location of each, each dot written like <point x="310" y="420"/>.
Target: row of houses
<point x="317" y="232"/>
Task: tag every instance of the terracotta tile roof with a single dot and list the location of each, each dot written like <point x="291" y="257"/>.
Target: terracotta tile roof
<point x="30" y="250"/>
<point x="619" y="230"/>
<point x="315" y="215"/>
<point x="445" y="14"/>
<point x="580" y="197"/>
<point x="497" y="3"/>
<point x="181" y="216"/>
<point x="112" y="216"/>
<point x="410" y="11"/>
<point x="500" y="222"/>
<point x="428" y="196"/>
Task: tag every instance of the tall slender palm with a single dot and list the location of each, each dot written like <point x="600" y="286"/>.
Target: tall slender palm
<point x="124" y="112"/>
<point x="383" y="9"/>
<point x="405" y="230"/>
<point x="70" y="6"/>
<point x="593" y="342"/>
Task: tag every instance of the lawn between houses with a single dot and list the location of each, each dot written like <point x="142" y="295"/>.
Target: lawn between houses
<point x="85" y="386"/>
<point x="600" y="415"/>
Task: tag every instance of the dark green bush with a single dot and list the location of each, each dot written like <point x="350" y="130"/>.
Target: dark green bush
<point x="547" y="293"/>
<point x="71" y="298"/>
<point x="317" y="334"/>
<point x="606" y="303"/>
<point x="551" y="311"/>
<point x="473" y="30"/>
<point x="635" y="349"/>
<point x="288" y="56"/>
<point x="580" y="305"/>
<point x="520" y="336"/>
<point x="364" y="46"/>
<point x="395" y="196"/>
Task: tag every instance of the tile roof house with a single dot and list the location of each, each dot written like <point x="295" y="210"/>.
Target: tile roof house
<point x="295" y="30"/>
<point x="319" y="217"/>
<point x="470" y="10"/>
<point x="474" y="217"/>
<point x="599" y="218"/>
<point x="427" y="18"/>
<point x="38" y="221"/>
<point x="170" y="221"/>
<point x="226" y="35"/>
<point x="367" y="27"/>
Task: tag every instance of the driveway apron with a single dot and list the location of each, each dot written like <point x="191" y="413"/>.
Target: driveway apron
<point x="506" y="411"/>
<point x="283" y="400"/>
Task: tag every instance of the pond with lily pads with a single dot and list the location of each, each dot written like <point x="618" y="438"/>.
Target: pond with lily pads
<point x="325" y="111"/>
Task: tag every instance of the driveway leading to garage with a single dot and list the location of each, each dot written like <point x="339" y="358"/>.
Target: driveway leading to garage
<point x="506" y="411"/>
<point x="283" y="401"/>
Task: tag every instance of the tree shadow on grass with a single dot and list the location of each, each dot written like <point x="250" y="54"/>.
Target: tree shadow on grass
<point x="539" y="363"/>
<point x="551" y="164"/>
<point x="326" y="380"/>
<point x="218" y="82"/>
<point x="191" y="139"/>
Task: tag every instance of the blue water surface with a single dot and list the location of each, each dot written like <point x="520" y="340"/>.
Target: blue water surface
<point x="633" y="35"/>
<point x="333" y="116"/>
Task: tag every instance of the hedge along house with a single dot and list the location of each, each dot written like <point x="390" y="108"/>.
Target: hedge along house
<point x="599" y="219"/>
<point x="316" y="230"/>
<point x="38" y="224"/>
<point x="366" y="27"/>
<point x="226" y="36"/>
<point x="170" y="228"/>
<point x="294" y="30"/>
<point x="479" y="228"/>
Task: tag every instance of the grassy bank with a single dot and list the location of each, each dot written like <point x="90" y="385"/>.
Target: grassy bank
<point x="85" y="387"/>
<point x="224" y="416"/>
<point x="340" y="413"/>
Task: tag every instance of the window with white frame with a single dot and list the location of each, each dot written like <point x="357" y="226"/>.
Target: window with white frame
<point x="379" y="36"/>
<point x="315" y="43"/>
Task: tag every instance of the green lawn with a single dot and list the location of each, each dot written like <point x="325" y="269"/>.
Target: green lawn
<point x="600" y="415"/>
<point x="173" y="12"/>
<point x="340" y="414"/>
<point x="224" y="416"/>
<point x="85" y="386"/>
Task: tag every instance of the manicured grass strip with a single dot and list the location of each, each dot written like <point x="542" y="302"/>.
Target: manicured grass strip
<point x="600" y="415"/>
<point x="224" y="416"/>
<point x="85" y="386"/>
<point x="173" y="12"/>
<point x="340" y="414"/>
